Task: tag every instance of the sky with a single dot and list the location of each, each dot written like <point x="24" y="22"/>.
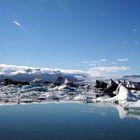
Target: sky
<point x="100" y="36"/>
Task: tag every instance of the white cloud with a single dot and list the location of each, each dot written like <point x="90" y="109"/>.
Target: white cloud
<point x="26" y="73"/>
<point x="102" y="60"/>
<point x="94" y="61"/>
<point x="123" y="59"/>
<point x="94" y="73"/>
<point x="16" y="23"/>
<point x="13" y="70"/>
<point x="105" y="64"/>
<point x="113" y="63"/>
<point x="30" y="73"/>
<point x="98" y="71"/>
<point x="92" y="64"/>
<point x="110" y="69"/>
<point x="45" y="73"/>
<point x="86" y="62"/>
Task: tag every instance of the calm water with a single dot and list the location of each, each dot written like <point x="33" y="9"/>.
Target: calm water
<point x="66" y="122"/>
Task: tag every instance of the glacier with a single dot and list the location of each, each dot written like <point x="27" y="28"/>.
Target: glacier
<point x="57" y="85"/>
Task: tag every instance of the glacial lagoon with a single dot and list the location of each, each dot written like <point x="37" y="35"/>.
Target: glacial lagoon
<point x="68" y="121"/>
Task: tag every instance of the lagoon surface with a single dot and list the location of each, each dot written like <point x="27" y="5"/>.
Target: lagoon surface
<point x="67" y="121"/>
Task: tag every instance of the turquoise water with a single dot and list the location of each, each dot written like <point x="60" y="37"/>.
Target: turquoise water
<point x="66" y="121"/>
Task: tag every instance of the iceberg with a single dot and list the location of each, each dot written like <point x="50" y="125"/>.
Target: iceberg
<point x="45" y="85"/>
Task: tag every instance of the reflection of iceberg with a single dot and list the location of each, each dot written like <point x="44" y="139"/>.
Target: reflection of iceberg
<point x="103" y="109"/>
<point x="129" y="104"/>
<point x="133" y="105"/>
<point x="127" y="113"/>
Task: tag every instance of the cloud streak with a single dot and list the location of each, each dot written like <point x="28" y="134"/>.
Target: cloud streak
<point x="122" y="59"/>
<point x="110" y="69"/>
<point x="17" y="23"/>
<point x="98" y="71"/>
<point x="94" y="61"/>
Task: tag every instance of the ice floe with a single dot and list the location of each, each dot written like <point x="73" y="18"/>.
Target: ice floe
<point x="33" y="85"/>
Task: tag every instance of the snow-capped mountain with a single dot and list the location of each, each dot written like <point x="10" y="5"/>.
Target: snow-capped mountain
<point x="133" y="78"/>
<point x="24" y="73"/>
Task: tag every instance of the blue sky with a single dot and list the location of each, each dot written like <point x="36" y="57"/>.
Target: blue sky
<point x="95" y="35"/>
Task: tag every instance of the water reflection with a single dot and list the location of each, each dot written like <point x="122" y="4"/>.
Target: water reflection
<point x="122" y="113"/>
<point x="70" y="121"/>
<point x="127" y="113"/>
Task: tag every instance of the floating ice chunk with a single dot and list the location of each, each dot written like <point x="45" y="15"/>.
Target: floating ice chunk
<point x="33" y="89"/>
<point x="27" y="100"/>
<point x="124" y="95"/>
<point x="83" y="98"/>
<point x="65" y="88"/>
<point x="80" y="98"/>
